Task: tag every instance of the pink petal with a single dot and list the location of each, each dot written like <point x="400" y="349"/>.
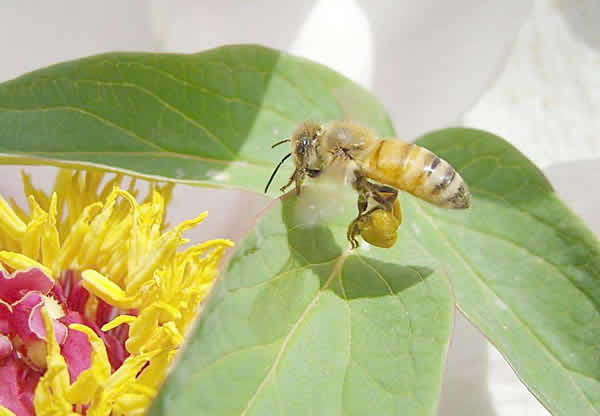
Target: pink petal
<point x="58" y="294"/>
<point x="5" y="318"/>
<point x="76" y="350"/>
<point x="36" y="325"/>
<point x="115" y="348"/>
<point x="14" y="286"/>
<point x="21" y="313"/>
<point x="27" y="321"/>
<point x="17" y="384"/>
<point x="105" y="313"/>
<point x="6" y="347"/>
<point x="76" y="295"/>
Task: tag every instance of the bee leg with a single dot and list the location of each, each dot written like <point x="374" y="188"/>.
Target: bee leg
<point x="380" y="196"/>
<point x="355" y="225"/>
<point x="297" y="178"/>
<point x="384" y="195"/>
<point x="287" y="185"/>
<point x="353" y="231"/>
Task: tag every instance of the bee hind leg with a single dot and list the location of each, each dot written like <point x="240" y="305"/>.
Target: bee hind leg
<point x="355" y="225"/>
<point x="384" y="195"/>
<point x="369" y="195"/>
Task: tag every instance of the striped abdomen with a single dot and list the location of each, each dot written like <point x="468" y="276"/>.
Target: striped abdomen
<point x="418" y="171"/>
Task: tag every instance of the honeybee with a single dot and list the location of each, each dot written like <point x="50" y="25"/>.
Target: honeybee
<point x="376" y="168"/>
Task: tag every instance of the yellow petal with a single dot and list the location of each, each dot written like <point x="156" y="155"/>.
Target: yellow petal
<point x="132" y="404"/>
<point x="50" y="393"/>
<point x="37" y="194"/>
<point x="119" y="383"/>
<point x="142" y="329"/>
<point x="18" y="261"/>
<point x="106" y="290"/>
<point x="84" y="388"/>
<point x="33" y="234"/>
<point x="5" y="412"/>
<point x="99" y="227"/>
<point x="10" y="223"/>
<point x="50" y="240"/>
<point x="153" y="375"/>
<point x="162" y="253"/>
<point x="119" y="320"/>
<point x="72" y="245"/>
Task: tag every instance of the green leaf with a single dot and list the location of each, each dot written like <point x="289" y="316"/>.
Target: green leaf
<point x="524" y="269"/>
<point x="298" y="326"/>
<point x="209" y="117"/>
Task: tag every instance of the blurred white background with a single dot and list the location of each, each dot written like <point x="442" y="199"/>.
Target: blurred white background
<point x="526" y="70"/>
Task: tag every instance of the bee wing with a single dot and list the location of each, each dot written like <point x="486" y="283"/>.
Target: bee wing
<point x="359" y="106"/>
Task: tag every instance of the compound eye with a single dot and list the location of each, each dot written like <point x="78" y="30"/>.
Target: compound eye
<point x="303" y="145"/>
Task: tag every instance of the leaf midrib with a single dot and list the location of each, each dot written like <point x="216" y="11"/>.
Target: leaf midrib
<point x="336" y="269"/>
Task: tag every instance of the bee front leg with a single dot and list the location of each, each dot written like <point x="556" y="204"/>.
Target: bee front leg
<point x="287" y="185"/>
<point x="297" y="178"/>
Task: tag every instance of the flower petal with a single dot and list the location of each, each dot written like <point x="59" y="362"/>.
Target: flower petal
<point x="76" y="295"/>
<point x="77" y="352"/>
<point x="5" y="412"/>
<point x="50" y="393"/>
<point x="18" y="261"/>
<point x="106" y="289"/>
<point x="14" y="286"/>
<point x="13" y="394"/>
<point x="114" y="347"/>
<point x="73" y="243"/>
<point x="5" y="318"/>
<point x="88" y="382"/>
<point x="119" y="383"/>
<point x="10" y="223"/>
<point x="119" y="320"/>
<point x="6" y="347"/>
<point x="144" y="264"/>
<point x="27" y="319"/>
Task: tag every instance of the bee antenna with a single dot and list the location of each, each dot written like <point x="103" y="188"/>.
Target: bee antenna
<point x="280" y="142"/>
<point x="275" y="171"/>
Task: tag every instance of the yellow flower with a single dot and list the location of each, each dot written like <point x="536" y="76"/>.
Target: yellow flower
<point x="96" y="299"/>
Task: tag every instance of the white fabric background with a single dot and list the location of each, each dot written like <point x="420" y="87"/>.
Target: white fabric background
<point x="526" y="70"/>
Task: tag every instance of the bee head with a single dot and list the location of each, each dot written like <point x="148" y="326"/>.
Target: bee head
<point x="304" y="150"/>
<point x="304" y="144"/>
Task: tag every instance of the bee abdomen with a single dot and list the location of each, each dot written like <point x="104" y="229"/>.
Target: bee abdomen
<point x="418" y="171"/>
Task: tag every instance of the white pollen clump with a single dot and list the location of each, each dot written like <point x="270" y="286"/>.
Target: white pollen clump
<point x="320" y="202"/>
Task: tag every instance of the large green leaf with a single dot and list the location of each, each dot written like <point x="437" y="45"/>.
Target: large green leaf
<point x="209" y="117"/>
<point x="298" y="326"/>
<point x="524" y="269"/>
